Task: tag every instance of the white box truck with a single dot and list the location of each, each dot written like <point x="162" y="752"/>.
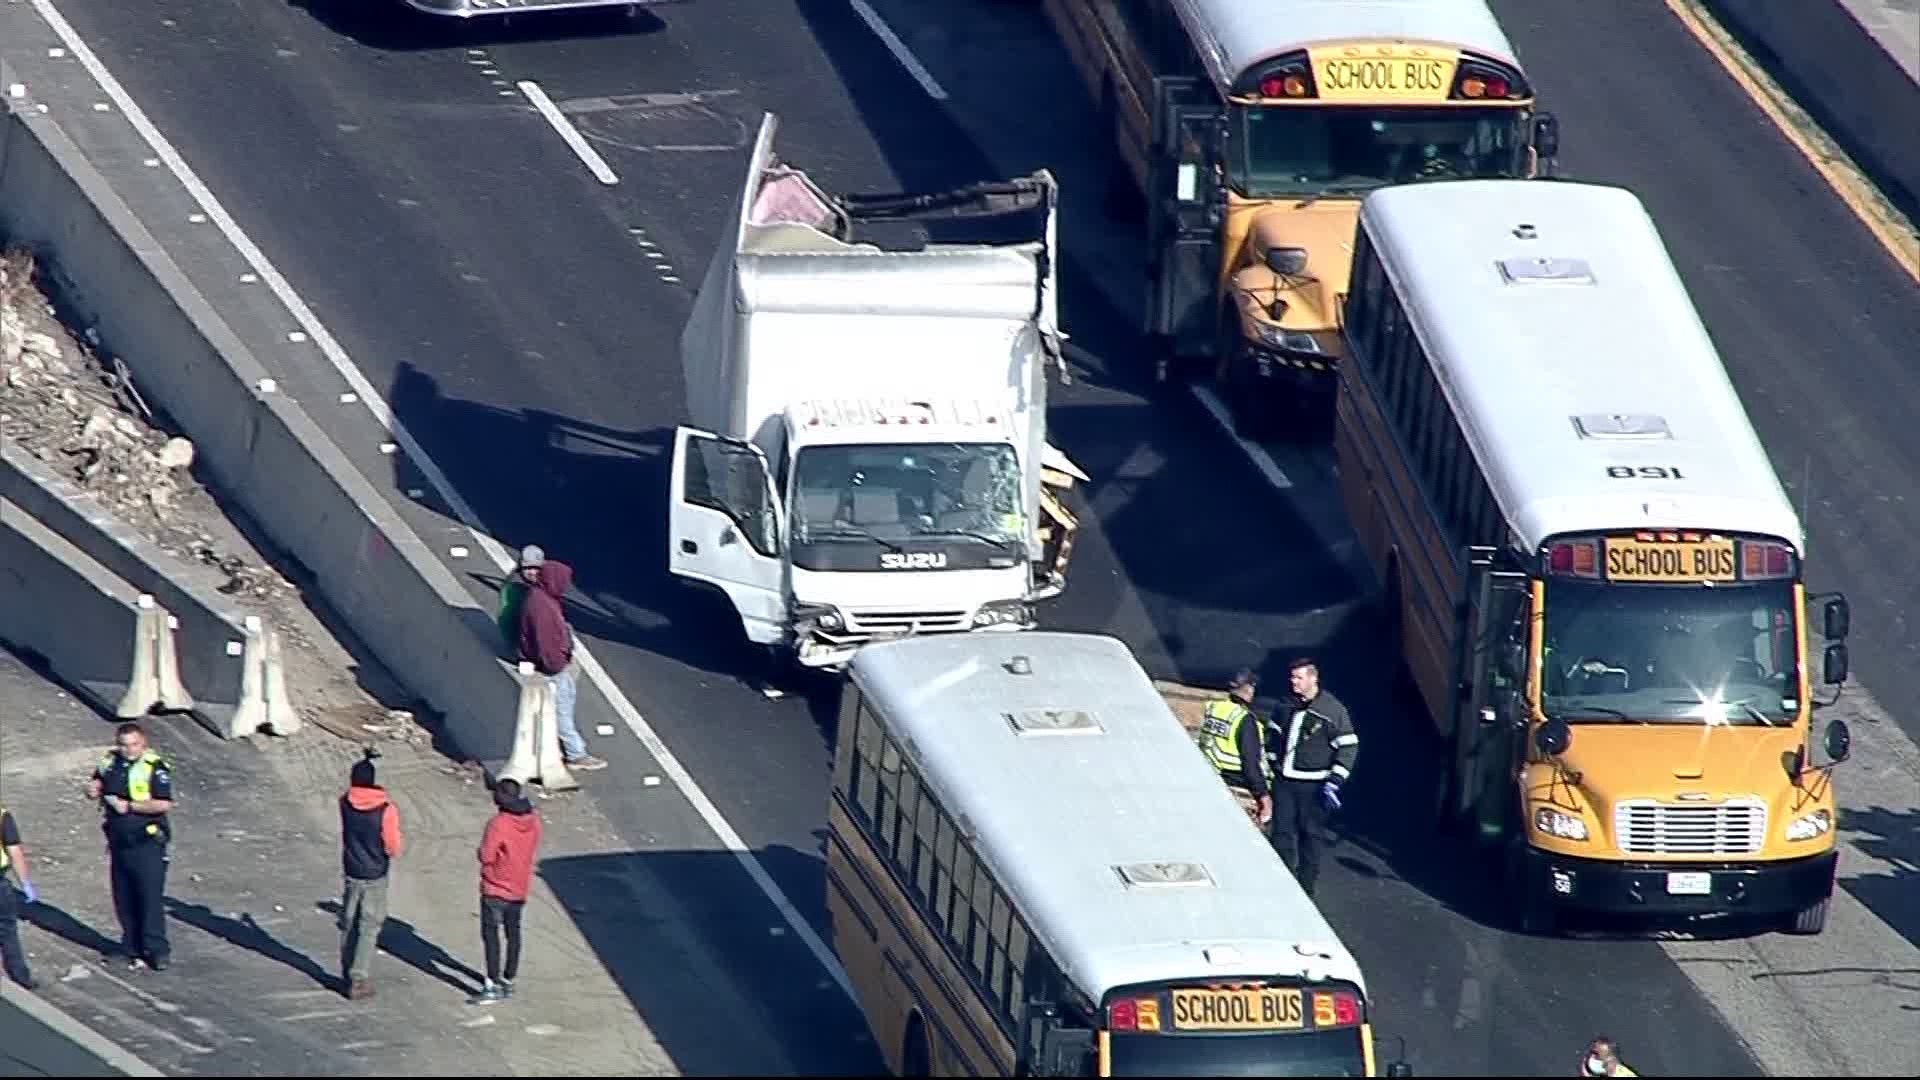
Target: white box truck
<point x="867" y="387"/>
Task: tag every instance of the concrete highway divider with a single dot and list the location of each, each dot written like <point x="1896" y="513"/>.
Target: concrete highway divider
<point x="1842" y="61"/>
<point x="37" y="1039"/>
<point x="263" y="451"/>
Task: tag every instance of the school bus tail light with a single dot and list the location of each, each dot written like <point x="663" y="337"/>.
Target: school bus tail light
<point x="1762" y="560"/>
<point x="1336" y="1009"/>
<point x="1484" y="82"/>
<point x="1134" y="1014"/>
<point x="1581" y="558"/>
<point x="1292" y="81"/>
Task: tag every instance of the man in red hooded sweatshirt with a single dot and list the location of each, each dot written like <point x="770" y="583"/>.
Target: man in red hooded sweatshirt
<point x="507" y="852"/>
<point x="547" y="641"/>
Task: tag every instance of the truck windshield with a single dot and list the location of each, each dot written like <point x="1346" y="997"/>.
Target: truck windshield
<point x="959" y="504"/>
<point x="1670" y="653"/>
<point x="1290" y="150"/>
<point x="1335" y="1052"/>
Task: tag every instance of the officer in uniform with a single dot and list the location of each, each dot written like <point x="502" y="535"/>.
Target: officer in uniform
<point x="13" y="857"/>
<point x="1223" y="721"/>
<point x="135" y="787"/>
<point x="1308" y="755"/>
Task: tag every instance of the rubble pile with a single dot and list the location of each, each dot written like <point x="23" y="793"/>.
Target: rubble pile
<point x="88" y="424"/>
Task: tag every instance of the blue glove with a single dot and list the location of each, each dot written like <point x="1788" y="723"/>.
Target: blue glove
<point x="1330" y="794"/>
<point x="32" y="894"/>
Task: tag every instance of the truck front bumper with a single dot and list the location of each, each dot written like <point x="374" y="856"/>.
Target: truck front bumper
<point x="1679" y="889"/>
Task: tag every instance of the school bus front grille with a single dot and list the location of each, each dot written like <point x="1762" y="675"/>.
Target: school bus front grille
<point x="1647" y="827"/>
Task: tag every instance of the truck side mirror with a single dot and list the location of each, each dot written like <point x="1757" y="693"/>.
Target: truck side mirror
<point x="1839" y="741"/>
<point x="1836" y="664"/>
<point x="1553" y="737"/>
<point x="1546" y="135"/>
<point x="1838" y="618"/>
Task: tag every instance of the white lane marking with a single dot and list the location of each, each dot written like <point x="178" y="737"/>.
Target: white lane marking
<point x="568" y="133"/>
<point x="382" y="412"/>
<point x="1261" y="459"/>
<point x="899" y="50"/>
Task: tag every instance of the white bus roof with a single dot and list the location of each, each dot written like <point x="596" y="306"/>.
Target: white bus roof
<point x="1057" y="814"/>
<point x="1590" y="359"/>
<point x="1234" y="35"/>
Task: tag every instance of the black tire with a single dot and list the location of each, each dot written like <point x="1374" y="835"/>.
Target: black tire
<point x="1533" y="913"/>
<point x="916" y="1058"/>
<point x="1811" y="919"/>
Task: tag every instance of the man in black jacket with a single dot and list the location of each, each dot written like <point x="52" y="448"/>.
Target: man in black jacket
<point x="1295" y="769"/>
<point x="369" y="842"/>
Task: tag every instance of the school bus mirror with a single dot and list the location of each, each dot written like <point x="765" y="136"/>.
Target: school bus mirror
<point x="1838" y="618"/>
<point x="1553" y="737"/>
<point x="1546" y="135"/>
<point x="1065" y="1051"/>
<point x="1838" y="741"/>
<point x="1836" y="664"/>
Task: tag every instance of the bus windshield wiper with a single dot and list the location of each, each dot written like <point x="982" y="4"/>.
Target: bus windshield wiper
<point x="1744" y="704"/>
<point x="1603" y="710"/>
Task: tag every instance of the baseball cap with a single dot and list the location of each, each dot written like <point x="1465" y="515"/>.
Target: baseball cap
<point x="1244" y="677"/>
<point x="532" y="555"/>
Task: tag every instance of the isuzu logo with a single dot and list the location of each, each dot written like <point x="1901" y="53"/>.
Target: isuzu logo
<point x="913" y="560"/>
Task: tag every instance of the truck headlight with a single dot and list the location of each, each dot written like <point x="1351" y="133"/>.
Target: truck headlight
<point x="1276" y="338"/>
<point x="823" y="616"/>
<point x="1003" y="613"/>
<point x="1555" y="823"/>
<point x="1808" y="826"/>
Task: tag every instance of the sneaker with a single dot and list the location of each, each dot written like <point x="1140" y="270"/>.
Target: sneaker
<point x="587" y="763"/>
<point x="359" y="990"/>
<point x="159" y="963"/>
<point x="134" y="963"/>
<point x="506" y="987"/>
<point x="489" y="995"/>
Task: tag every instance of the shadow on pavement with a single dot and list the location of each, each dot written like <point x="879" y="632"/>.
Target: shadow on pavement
<point x="725" y="985"/>
<point x="402" y="941"/>
<point x="1893" y="837"/>
<point x="62" y="925"/>
<point x="392" y="26"/>
<point x="249" y="935"/>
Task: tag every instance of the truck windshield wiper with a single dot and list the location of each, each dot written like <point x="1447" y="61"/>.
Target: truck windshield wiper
<point x="838" y="531"/>
<point x="996" y="541"/>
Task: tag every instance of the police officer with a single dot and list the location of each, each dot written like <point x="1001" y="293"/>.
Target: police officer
<point x="1309" y="755"/>
<point x="1222" y="722"/>
<point x="135" y="787"/>
<point x="13" y="857"/>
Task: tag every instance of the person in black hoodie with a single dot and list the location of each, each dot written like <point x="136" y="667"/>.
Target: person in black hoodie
<point x="369" y="842"/>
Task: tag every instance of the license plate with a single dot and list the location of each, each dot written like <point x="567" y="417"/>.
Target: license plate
<point x="1690" y="884"/>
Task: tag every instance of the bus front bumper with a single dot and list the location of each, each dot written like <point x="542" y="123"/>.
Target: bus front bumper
<point x="1625" y="888"/>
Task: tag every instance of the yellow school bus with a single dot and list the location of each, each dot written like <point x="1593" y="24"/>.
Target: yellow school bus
<point x="1589" y="566"/>
<point x="1253" y="127"/>
<point x="1032" y="872"/>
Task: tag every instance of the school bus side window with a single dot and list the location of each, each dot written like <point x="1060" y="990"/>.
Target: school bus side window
<point x="960" y="916"/>
<point x="926" y="828"/>
<point x="983" y="890"/>
<point x="997" y="966"/>
<point x="843" y="749"/>
<point x="909" y="808"/>
<point x="943" y="877"/>
<point x="866" y="764"/>
<point x="1018" y="942"/>
<point x="887" y="819"/>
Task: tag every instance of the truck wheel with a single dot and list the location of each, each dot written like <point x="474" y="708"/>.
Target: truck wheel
<point x="1533" y="914"/>
<point x="1811" y="919"/>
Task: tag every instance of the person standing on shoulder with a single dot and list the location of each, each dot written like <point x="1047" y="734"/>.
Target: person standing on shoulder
<point x="1223" y="720"/>
<point x="13" y="857"/>
<point x="1603" y="1059"/>
<point x="547" y="641"/>
<point x="369" y="842"/>
<point x="1310" y="756"/>
<point x="135" y="787"/>
<point x="513" y="593"/>
<point x="507" y="852"/>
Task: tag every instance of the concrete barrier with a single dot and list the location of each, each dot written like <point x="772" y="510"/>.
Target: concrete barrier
<point x="41" y="1040"/>
<point x="261" y="449"/>
<point x="210" y="669"/>
<point x="62" y="605"/>
<point x="1828" y="57"/>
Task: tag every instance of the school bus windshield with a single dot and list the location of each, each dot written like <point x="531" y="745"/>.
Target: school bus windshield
<point x="1293" y="150"/>
<point x="1670" y="653"/>
<point x="1334" y="1052"/>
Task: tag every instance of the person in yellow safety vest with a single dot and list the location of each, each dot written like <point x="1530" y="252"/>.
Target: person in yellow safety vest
<point x="135" y="789"/>
<point x="1220" y="726"/>
<point x="1603" y="1059"/>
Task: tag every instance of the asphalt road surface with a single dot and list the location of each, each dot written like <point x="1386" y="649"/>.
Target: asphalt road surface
<point x="523" y="319"/>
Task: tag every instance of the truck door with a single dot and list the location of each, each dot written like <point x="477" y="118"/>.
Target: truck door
<point x="1185" y="207"/>
<point x="1484" y="726"/>
<point x="725" y="527"/>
